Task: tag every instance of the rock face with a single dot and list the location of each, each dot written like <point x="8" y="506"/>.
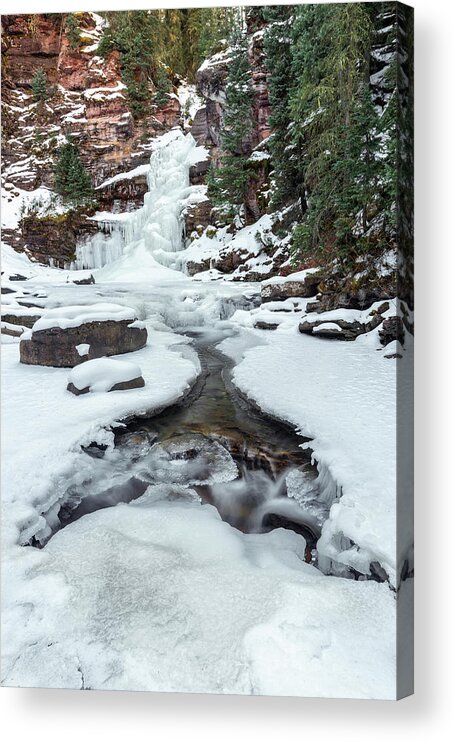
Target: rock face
<point x="88" y="101"/>
<point x="55" y="346"/>
<point x="305" y="288"/>
<point x="197" y="216"/>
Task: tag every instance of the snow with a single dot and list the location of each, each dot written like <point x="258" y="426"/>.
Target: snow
<point x="346" y="404"/>
<point x="73" y="316"/>
<point x="17" y="201"/>
<point x="128" y="175"/>
<point x="167" y="597"/>
<point x="83" y="349"/>
<point x="326" y="326"/>
<point x="161" y="594"/>
<point x="101" y="374"/>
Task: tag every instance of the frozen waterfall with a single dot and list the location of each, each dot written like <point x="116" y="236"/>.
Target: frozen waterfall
<point x="156" y="229"/>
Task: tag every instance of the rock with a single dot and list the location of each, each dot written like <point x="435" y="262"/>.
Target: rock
<point x="13" y="331"/>
<point x="120" y="386"/>
<point x="24" y="320"/>
<point x="392" y="329"/>
<point x="85" y="281"/>
<point x="262" y="325"/>
<point x="333" y="330"/>
<point x="55" y="339"/>
<point x="8" y="290"/>
<point x="95" y="450"/>
<point x="199" y="127"/>
<point x="384" y="307"/>
<point x="196" y="215"/>
<point x="104" y="375"/>
<point x="198" y="172"/>
<point x="57" y="347"/>
<point x="305" y="288"/>
<point x="17" y="277"/>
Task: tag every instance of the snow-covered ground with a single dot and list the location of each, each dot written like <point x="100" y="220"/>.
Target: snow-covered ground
<point x="160" y="595"/>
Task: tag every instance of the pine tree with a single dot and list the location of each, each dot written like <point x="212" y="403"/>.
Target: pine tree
<point x="330" y="60"/>
<point x="138" y="36"/>
<point x="163" y="86"/>
<point x="72" y="30"/>
<point x="228" y="184"/>
<point x="287" y="175"/>
<point x="39" y="85"/>
<point x="72" y="180"/>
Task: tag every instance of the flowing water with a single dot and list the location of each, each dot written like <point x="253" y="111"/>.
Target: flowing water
<point x="214" y="446"/>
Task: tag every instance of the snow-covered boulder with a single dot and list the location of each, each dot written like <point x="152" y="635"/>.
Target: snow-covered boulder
<point x="336" y="329"/>
<point x="104" y="375"/>
<point x="68" y="336"/>
<point x="303" y="284"/>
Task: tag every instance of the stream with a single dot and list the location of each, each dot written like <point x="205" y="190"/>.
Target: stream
<point x="214" y="446"/>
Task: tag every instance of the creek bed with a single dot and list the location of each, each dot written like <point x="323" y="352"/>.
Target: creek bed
<point x="214" y="446"/>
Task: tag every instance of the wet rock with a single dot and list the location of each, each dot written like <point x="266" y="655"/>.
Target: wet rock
<point x="57" y="347"/>
<point x="305" y="288"/>
<point x="95" y="450"/>
<point x="392" y="329"/>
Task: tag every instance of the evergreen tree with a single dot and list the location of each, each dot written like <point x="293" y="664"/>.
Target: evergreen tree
<point x="227" y="185"/>
<point x="138" y="37"/>
<point x="287" y="175"/>
<point x="72" y="180"/>
<point x="72" y="30"/>
<point x="163" y="87"/>
<point x="39" y="85"/>
<point x="331" y="62"/>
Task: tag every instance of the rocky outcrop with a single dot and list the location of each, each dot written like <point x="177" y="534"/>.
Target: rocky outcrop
<point x="197" y="216"/>
<point x="53" y="239"/>
<point x="55" y="346"/>
<point x="87" y="100"/>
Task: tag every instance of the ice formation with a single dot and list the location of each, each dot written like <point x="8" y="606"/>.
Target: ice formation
<point x="157" y="227"/>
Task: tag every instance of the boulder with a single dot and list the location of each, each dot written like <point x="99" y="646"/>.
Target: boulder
<point x="304" y="288"/>
<point x="57" y="339"/>
<point x="333" y="330"/>
<point x="104" y="375"/>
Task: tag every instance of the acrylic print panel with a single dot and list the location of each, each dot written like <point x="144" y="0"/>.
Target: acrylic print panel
<point x="207" y="350"/>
